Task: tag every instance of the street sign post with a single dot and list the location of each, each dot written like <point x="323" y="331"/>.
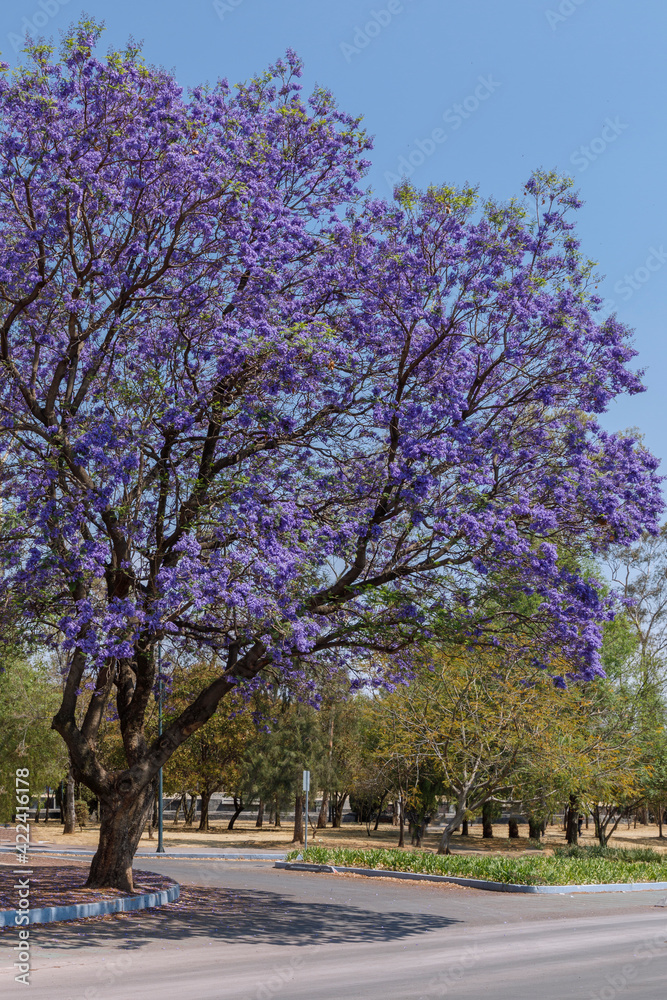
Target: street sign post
<point x="306" y="788"/>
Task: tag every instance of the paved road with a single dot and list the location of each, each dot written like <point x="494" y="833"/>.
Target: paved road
<point x="256" y="933"/>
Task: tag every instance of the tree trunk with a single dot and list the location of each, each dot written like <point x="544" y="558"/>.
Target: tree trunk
<point x="122" y="821"/>
<point x="572" y="813"/>
<point x="534" y="828"/>
<point x="60" y="803"/>
<point x="464" y="828"/>
<point x="599" y="833"/>
<point x="298" y="819"/>
<point x="377" y="818"/>
<point x="277" y="821"/>
<point x="70" y="813"/>
<point x="238" y="809"/>
<point x="394" y="811"/>
<point x="153" y="821"/>
<point x="324" y="809"/>
<point x="487" y="825"/>
<point x="260" y="814"/>
<point x="443" y="846"/>
<point x="339" y="805"/>
<point x="454" y="822"/>
<point x="189" y="811"/>
<point x="401" y="823"/>
<point x="660" y="820"/>
<point x="179" y="805"/>
<point x="513" y="828"/>
<point x="203" y="815"/>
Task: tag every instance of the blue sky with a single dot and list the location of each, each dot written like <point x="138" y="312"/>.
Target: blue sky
<point x="482" y="91"/>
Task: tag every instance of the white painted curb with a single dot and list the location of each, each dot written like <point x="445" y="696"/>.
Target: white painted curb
<point x="122" y="904"/>
<point x="475" y="883"/>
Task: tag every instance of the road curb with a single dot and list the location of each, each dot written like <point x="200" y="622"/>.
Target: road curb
<point x="474" y="883"/>
<point x="75" y="911"/>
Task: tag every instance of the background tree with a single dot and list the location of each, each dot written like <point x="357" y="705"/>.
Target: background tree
<point x="471" y="720"/>
<point x="639" y="572"/>
<point x="29" y="695"/>
<point x="211" y="760"/>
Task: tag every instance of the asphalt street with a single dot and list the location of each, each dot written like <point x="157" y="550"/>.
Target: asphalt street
<point x="256" y="933"/>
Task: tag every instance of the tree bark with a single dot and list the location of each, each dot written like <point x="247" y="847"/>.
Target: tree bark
<point x="277" y="820"/>
<point x="513" y="828"/>
<point x="534" y="828"/>
<point x="401" y="823"/>
<point x="465" y="832"/>
<point x="122" y="820"/>
<point x="70" y="813"/>
<point x="260" y="814"/>
<point x="487" y="825"/>
<point x="298" y="819"/>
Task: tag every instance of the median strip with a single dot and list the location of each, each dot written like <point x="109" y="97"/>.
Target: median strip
<point x="578" y="870"/>
<point x="474" y="883"/>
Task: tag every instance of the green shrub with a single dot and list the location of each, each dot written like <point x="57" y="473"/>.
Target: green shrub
<point x="577" y="870"/>
<point x="81" y="812"/>
<point x="612" y="853"/>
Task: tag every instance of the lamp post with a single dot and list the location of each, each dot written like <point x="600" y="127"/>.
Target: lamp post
<point x="160" y="845"/>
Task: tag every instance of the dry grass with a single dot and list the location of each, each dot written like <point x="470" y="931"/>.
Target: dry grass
<point x="350" y="835"/>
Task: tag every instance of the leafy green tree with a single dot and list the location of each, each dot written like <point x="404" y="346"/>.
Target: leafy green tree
<point x="29" y="695"/>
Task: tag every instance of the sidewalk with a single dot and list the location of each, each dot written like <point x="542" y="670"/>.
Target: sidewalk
<point x="229" y="855"/>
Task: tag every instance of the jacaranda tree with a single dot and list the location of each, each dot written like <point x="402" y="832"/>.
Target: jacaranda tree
<point x="246" y="407"/>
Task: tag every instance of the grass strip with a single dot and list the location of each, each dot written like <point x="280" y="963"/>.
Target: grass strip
<point x="573" y="870"/>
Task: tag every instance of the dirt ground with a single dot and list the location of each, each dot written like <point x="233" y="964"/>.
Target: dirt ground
<point x="351" y="835"/>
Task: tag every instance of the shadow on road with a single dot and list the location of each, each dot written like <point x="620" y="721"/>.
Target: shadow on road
<point x="239" y="916"/>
